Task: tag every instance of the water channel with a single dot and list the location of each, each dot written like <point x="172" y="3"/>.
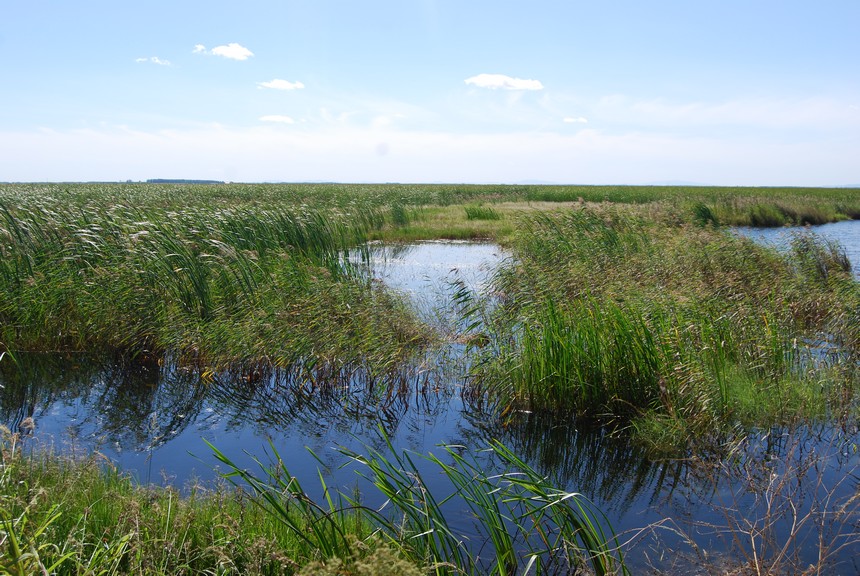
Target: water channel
<point x="151" y="419"/>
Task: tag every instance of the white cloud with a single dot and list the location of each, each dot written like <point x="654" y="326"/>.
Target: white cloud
<point x="154" y="60"/>
<point x="278" y="84"/>
<point x="496" y="81"/>
<point x="278" y="118"/>
<point x="575" y="120"/>
<point x="233" y="51"/>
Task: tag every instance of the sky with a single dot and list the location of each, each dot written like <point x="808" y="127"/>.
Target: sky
<point x="729" y="92"/>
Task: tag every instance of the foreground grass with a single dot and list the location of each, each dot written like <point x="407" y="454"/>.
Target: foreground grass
<point x="65" y="516"/>
<point x="85" y="517"/>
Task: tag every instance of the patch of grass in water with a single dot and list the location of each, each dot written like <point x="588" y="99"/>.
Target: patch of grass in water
<point x="218" y="285"/>
<point x="612" y="316"/>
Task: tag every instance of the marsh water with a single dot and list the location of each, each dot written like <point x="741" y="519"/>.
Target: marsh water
<point x="151" y="419"/>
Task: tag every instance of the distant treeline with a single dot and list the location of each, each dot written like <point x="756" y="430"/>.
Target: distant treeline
<point x="182" y="181"/>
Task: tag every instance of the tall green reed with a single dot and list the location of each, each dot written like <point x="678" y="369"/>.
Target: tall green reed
<point x="215" y="281"/>
<point x="607" y="315"/>
<point x="532" y="526"/>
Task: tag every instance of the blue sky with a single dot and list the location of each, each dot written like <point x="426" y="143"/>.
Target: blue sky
<point x="736" y="92"/>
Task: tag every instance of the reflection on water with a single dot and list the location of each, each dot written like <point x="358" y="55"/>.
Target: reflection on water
<point x="429" y="273"/>
<point x="149" y="417"/>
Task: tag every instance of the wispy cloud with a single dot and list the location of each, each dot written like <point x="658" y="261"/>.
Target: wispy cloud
<point x="575" y="120"/>
<point x="500" y="81"/>
<point x="153" y="60"/>
<point x="278" y="84"/>
<point x="277" y="118"/>
<point x="232" y="51"/>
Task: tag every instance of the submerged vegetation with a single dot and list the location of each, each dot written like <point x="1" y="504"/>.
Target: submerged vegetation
<point x="633" y="309"/>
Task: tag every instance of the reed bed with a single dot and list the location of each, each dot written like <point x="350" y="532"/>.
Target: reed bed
<point x="761" y="206"/>
<point x="610" y="316"/>
<point x="213" y="285"/>
<point x="623" y="305"/>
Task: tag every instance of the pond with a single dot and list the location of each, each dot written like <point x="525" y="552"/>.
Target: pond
<point x="150" y="419"/>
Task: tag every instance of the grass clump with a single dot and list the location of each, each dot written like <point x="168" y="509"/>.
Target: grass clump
<point x="384" y="559"/>
<point x="530" y="524"/>
<point x="61" y="515"/>
<point x="214" y="285"/>
<point x="703" y="215"/>
<point x="480" y="212"/>
<point x="609" y="315"/>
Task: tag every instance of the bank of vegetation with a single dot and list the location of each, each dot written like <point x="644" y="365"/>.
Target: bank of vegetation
<point x="678" y="330"/>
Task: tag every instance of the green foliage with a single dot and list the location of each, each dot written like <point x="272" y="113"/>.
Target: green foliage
<point x="531" y="524"/>
<point x="617" y="310"/>
<point x="382" y="559"/>
<point x="593" y="355"/>
<point x="399" y="215"/>
<point x="60" y="515"/>
<point x="26" y="546"/>
<point x="703" y="215"/>
<point x="214" y="284"/>
<point x="608" y="316"/>
<point x="480" y="212"/>
<point x="766" y="215"/>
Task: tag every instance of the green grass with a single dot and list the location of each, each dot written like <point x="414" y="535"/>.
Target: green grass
<point x="85" y="517"/>
<point x="623" y="299"/>
<point x="211" y="285"/>
<point x="613" y="316"/>
<point x="480" y="212"/>
<point x="530" y="524"/>
<point x="254" y="273"/>
<point x="69" y="516"/>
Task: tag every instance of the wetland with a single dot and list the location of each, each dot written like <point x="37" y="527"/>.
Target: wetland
<point x="696" y="387"/>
